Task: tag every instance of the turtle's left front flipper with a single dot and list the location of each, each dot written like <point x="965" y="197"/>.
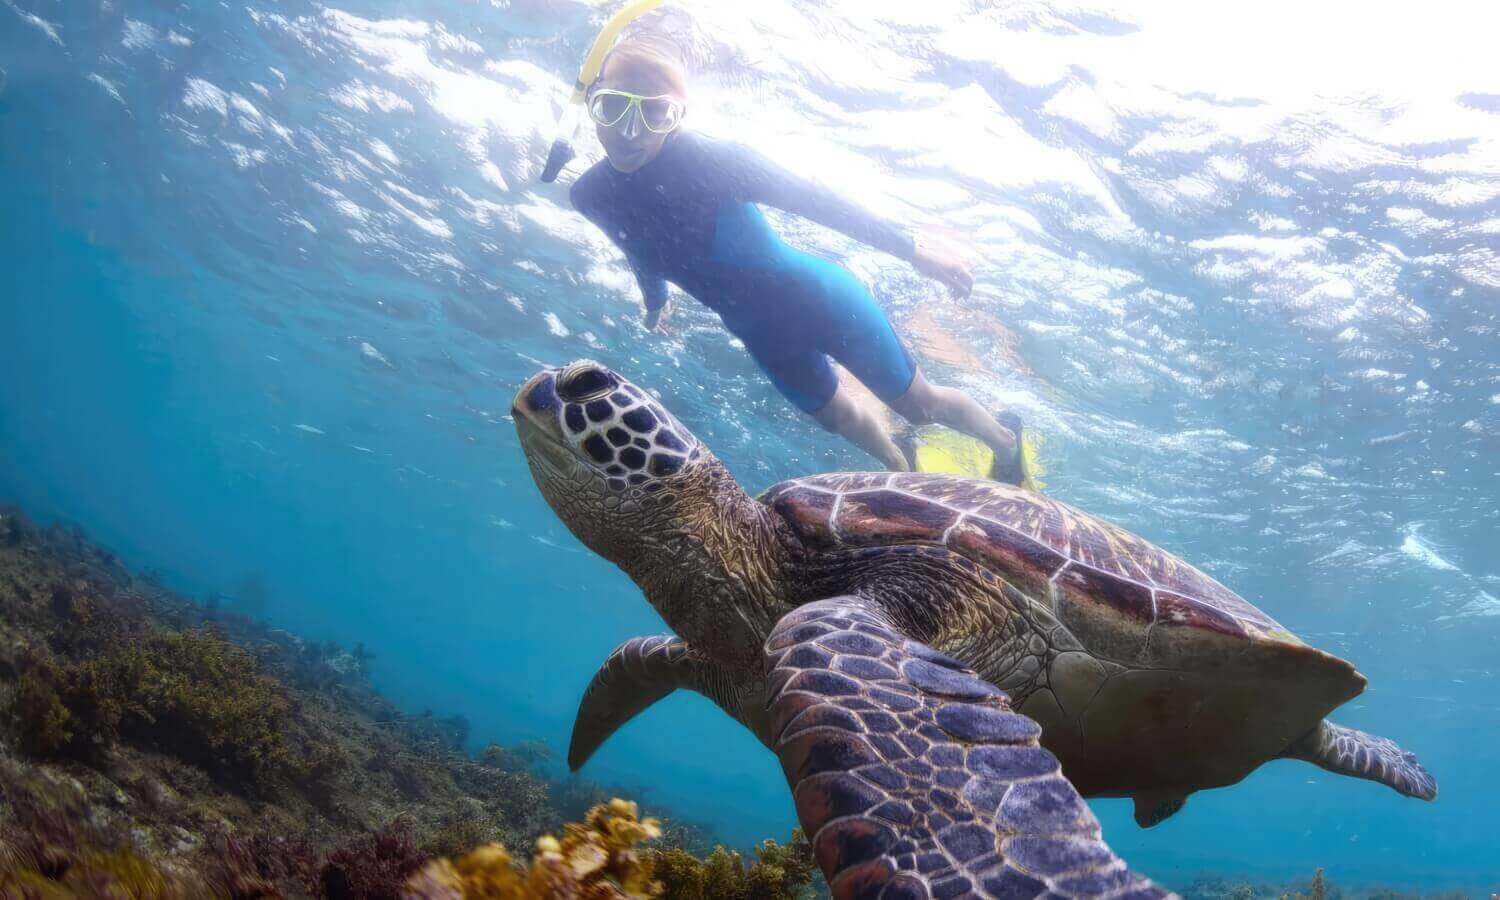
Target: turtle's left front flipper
<point x="914" y="778"/>
<point x="642" y="671"/>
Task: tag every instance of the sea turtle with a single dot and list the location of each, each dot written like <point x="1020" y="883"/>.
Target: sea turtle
<point x="865" y="625"/>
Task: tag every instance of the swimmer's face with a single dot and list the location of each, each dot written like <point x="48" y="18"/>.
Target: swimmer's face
<point x="628" y="143"/>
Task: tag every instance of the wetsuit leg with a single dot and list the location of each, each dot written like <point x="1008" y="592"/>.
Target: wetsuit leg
<point x="798" y="369"/>
<point x="861" y="338"/>
<point x="805" y="375"/>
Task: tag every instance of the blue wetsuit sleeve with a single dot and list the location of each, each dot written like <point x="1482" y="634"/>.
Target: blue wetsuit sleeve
<point x="761" y="181"/>
<point x="653" y="286"/>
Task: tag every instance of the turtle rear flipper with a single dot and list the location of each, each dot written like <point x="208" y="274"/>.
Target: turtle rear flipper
<point x="1350" y="752"/>
<point x="1153" y="808"/>
<point x="642" y="671"/>
<point x="913" y="777"/>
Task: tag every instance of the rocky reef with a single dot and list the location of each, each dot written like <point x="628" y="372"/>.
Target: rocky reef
<point x="156" y="747"/>
<point x="1214" y="886"/>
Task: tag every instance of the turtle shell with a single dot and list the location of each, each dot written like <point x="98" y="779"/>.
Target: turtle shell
<point x="1120" y="595"/>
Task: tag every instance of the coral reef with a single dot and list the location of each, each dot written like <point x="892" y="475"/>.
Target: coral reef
<point x="191" y="693"/>
<point x="596" y="860"/>
<point x="373" y="865"/>
<point x="151" y="746"/>
<point x="1214" y="886"/>
<point x="1318" y="890"/>
<point x="780" y="872"/>
<point x="602" y="859"/>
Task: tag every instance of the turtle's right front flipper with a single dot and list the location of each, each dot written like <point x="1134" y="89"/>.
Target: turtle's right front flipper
<point x="642" y="671"/>
<point x="914" y="779"/>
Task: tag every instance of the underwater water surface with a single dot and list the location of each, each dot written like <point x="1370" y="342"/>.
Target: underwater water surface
<point x="270" y="273"/>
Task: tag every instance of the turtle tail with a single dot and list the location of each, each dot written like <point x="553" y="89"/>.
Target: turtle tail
<point x="1350" y="752"/>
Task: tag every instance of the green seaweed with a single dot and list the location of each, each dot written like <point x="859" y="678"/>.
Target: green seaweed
<point x="1317" y="890"/>
<point x="191" y="692"/>
<point x="779" y="872"/>
<point x="41" y="718"/>
<point x="175" y="749"/>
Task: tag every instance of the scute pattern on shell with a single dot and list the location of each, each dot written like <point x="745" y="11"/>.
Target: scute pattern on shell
<point x="1044" y="546"/>
<point x="913" y="778"/>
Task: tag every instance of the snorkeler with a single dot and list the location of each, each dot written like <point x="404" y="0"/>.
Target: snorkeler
<point x="683" y="209"/>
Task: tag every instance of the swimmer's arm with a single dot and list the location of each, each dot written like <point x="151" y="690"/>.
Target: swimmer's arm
<point x="930" y="251"/>
<point x="653" y="286"/>
<point x="653" y="293"/>
<point x="762" y="181"/>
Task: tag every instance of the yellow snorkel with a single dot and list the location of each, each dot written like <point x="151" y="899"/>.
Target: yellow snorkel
<point x="561" y="152"/>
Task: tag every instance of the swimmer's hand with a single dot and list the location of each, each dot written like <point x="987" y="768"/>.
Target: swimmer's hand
<point x="940" y="254"/>
<point x="654" y="317"/>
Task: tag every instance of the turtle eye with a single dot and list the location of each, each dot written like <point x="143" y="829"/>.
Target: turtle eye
<point x="585" y="381"/>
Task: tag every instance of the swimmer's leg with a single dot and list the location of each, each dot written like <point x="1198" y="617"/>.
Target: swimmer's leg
<point x="845" y="416"/>
<point x="925" y="403"/>
<point x="863" y="339"/>
<point x="804" y="375"/>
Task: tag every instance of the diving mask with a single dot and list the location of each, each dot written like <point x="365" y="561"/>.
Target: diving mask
<point x="661" y="114"/>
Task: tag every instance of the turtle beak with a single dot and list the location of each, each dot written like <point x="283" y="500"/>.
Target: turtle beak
<point x="537" y="413"/>
<point x="536" y="409"/>
<point x="537" y="401"/>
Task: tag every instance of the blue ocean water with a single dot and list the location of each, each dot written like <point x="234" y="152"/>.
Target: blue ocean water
<point x="270" y="273"/>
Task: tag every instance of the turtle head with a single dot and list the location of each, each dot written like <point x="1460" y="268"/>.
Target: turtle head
<point x="604" y="453"/>
<point x="638" y="489"/>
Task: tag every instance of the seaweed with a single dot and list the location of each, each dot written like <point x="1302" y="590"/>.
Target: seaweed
<point x="50" y="825"/>
<point x="1317" y="890"/>
<point x="460" y="834"/>
<point x="262" y="865"/>
<point x="191" y="692"/>
<point x="442" y="732"/>
<point x="373" y="866"/>
<point x="597" y="859"/>
<point x="779" y="872"/>
<point x="515" y="808"/>
<point x="1215" y="886"/>
<point x="603" y="858"/>
<point x="52" y="847"/>
<point x="43" y="721"/>
<point x="153" y="746"/>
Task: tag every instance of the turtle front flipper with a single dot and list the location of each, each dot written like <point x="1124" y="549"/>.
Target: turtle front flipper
<point x="1350" y="752"/>
<point x="913" y="778"/>
<point x="642" y="671"/>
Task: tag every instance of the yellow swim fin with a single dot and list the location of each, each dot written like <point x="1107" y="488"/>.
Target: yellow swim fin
<point x="942" y="450"/>
<point x="938" y="449"/>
